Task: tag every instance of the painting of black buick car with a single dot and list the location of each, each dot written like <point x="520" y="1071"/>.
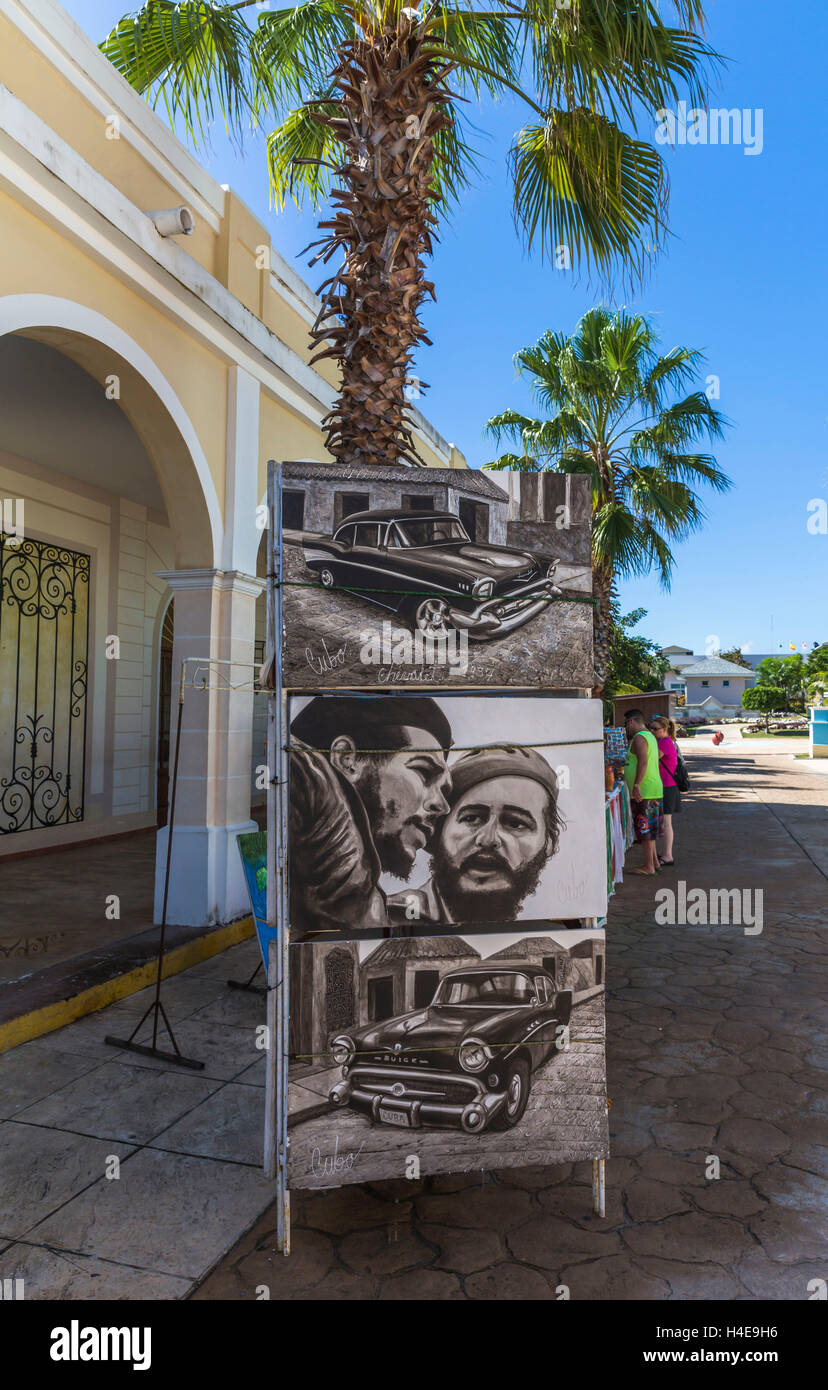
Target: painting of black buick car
<point x="424" y="567"/>
<point x="466" y="1061"/>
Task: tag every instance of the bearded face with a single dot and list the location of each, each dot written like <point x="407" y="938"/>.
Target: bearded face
<point x="493" y="847"/>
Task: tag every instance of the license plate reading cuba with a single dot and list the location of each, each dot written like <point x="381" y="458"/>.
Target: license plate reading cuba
<point x="394" y="1117"/>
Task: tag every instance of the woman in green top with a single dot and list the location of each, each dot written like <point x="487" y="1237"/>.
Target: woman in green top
<point x="646" y="788"/>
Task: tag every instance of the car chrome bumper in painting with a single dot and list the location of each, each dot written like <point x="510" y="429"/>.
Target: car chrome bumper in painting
<point x="504" y="612"/>
<point x="447" y="1099"/>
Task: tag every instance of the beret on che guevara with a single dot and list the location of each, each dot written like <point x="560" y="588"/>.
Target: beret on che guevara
<point x="371" y="721"/>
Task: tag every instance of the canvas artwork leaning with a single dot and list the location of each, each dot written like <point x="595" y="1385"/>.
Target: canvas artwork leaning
<point x="456" y="577"/>
<point x="415" y="1056"/>
<point x="416" y="812"/>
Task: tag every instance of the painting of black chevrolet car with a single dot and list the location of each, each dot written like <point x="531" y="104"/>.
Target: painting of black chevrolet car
<point x="424" y="567"/>
<point x="464" y="1062"/>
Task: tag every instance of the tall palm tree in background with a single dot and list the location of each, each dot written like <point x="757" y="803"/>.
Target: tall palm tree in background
<point x="365" y="94"/>
<point x="615" y="412"/>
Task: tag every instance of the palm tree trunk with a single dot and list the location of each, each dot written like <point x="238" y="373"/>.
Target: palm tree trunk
<point x="603" y="582"/>
<point x="389" y="105"/>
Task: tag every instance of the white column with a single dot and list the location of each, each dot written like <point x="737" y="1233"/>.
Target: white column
<point x="241" y="538"/>
<point x="214" y="618"/>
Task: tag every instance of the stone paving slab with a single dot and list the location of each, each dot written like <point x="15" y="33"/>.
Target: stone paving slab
<point x="43" y="1169"/>
<point x="169" y="1213"/>
<point x="116" y="1101"/>
<point x="228" y="1125"/>
<point x="27" y="1075"/>
<point x="55" y="1274"/>
<point x="254" y="1075"/>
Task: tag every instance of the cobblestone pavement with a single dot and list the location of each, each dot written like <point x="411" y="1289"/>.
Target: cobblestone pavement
<point x="715" y="1052"/>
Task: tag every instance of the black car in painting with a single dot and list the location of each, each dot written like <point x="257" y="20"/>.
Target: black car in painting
<point x="424" y="566"/>
<point x="465" y="1062"/>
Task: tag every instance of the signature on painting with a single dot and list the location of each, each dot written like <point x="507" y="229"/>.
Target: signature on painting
<point x="328" y="1165"/>
<point x="327" y="661"/>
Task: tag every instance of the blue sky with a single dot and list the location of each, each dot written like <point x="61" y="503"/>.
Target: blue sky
<point x="743" y="278"/>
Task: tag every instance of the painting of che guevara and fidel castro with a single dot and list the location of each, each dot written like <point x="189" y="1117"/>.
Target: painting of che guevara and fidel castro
<point x="459" y="1052"/>
<point x="412" y="813"/>
<point x="455" y="578"/>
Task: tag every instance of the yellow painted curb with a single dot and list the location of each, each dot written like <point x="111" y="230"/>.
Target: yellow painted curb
<point x="63" y="1011"/>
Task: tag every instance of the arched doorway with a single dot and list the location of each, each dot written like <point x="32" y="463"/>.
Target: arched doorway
<point x="115" y="490"/>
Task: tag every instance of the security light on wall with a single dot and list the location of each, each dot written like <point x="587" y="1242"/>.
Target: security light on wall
<point x="173" y="221"/>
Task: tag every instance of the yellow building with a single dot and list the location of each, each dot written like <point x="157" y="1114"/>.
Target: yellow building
<point x="145" y="380"/>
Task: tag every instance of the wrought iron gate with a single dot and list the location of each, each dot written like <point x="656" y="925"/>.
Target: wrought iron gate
<point x="44" y="635"/>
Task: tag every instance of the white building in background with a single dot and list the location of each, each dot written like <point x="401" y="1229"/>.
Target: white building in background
<point x="683" y="658"/>
<point x="714" y="687"/>
<point x="679" y="657"/>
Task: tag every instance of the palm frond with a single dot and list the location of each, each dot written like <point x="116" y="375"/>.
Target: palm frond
<point x="510" y="424"/>
<point x="615" y="539"/>
<point x="688" y="468"/>
<point x="302" y="156"/>
<point x="625" y="346"/>
<point x="194" y="58"/>
<point x="584" y="183"/>
<point x="455" y="161"/>
<point x="520" y="463"/>
<point x="298" y="46"/>
<point x="655" y="554"/>
<point x="616" y="57"/>
<point x="484" y="45"/>
<point x="673" y="371"/>
<point x="651" y="495"/>
<point x="680" y="423"/>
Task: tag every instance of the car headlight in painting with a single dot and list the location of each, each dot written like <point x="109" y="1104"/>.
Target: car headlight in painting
<point x="483" y="588"/>
<point x="551" y="569"/>
<point x="342" y="1050"/>
<point x="474" y="1055"/>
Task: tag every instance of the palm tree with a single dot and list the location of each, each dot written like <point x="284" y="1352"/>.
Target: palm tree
<point x="616" y="413"/>
<point x="366" y="97"/>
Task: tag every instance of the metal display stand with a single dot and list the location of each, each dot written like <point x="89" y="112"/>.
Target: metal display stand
<point x="278" y="991"/>
<point x="598" y="1164"/>
<point x="599" y="1190"/>
<point x="156" y="1008"/>
<point x="247" y="985"/>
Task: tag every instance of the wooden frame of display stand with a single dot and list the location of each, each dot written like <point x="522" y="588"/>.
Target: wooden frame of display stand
<point x="278" y="963"/>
